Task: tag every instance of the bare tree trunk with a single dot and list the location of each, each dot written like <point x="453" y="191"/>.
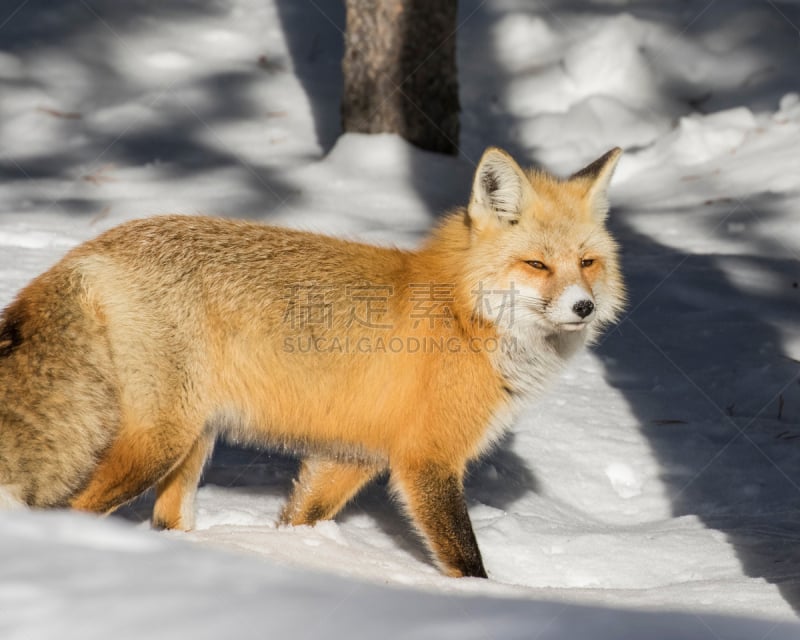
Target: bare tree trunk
<point x="400" y="71"/>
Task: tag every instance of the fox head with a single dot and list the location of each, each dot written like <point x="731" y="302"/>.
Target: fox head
<point x="540" y="253"/>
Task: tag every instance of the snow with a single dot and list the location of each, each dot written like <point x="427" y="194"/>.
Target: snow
<point x="148" y="586"/>
<point x="652" y="490"/>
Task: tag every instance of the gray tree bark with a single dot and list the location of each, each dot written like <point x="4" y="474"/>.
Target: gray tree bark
<point x="400" y="71"/>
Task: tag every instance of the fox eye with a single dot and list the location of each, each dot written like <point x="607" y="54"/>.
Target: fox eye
<point x="536" y="264"/>
<point x="587" y="262"/>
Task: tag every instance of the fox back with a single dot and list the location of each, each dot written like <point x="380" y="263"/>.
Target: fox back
<point x="122" y="365"/>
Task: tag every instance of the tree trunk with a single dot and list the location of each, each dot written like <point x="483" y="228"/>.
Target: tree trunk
<point x="400" y="71"/>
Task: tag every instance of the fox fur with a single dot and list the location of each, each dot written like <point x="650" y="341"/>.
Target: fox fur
<point x="122" y="364"/>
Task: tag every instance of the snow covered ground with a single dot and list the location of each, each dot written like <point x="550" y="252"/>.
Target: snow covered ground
<point x="661" y="473"/>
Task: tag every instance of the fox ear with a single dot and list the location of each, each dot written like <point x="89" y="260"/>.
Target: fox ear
<point x="500" y="189"/>
<point x="597" y="177"/>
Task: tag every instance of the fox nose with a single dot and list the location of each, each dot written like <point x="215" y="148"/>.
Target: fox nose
<point x="583" y="308"/>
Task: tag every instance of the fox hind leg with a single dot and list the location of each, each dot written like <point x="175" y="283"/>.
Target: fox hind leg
<point x="323" y="488"/>
<point x="137" y="459"/>
<point x="175" y="493"/>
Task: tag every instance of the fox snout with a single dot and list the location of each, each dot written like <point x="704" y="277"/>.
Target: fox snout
<point x="573" y="309"/>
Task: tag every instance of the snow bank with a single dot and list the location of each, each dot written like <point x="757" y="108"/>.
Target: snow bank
<point x="105" y="580"/>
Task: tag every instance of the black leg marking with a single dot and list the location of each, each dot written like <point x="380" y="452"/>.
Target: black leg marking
<point x="437" y="503"/>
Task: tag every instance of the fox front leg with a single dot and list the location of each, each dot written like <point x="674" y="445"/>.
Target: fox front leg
<point x="434" y="497"/>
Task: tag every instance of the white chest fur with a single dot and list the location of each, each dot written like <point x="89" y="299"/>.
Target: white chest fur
<point x="530" y="361"/>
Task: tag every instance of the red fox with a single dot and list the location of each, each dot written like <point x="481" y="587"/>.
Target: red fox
<point x="122" y="364"/>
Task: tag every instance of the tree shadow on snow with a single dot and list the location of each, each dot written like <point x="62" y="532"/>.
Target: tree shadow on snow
<point x="701" y="363"/>
<point x="173" y="125"/>
<point x="314" y="36"/>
